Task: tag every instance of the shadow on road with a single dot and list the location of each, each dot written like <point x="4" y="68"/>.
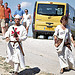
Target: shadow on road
<point x="31" y="71"/>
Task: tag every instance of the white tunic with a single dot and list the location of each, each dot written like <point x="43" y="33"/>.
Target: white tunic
<point x="13" y="50"/>
<point x="65" y="55"/>
<point x="21" y="31"/>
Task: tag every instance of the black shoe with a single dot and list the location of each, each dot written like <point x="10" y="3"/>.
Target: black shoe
<point x="65" y="70"/>
<point x="11" y="72"/>
<point x="15" y="73"/>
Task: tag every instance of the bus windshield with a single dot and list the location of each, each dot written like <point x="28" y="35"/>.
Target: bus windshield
<point x="50" y="9"/>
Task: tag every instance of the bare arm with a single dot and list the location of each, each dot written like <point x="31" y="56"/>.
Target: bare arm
<point x="73" y="41"/>
<point x="7" y="39"/>
<point x="10" y="17"/>
<point x="55" y="39"/>
<point x="7" y="35"/>
<point x="30" y="19"/>
<point x="14" y="15"/>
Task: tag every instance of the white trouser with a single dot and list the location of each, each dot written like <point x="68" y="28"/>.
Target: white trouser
<point x="66" y="58"/>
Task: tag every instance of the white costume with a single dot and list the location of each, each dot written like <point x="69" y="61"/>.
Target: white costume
<point x="65" y="56"/>
<point x="26" y="18"/>
<point x="13" y="50"/>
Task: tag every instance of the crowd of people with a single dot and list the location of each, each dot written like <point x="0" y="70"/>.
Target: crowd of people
<point x="17" y="33"/>
<point x="5" y="17"/>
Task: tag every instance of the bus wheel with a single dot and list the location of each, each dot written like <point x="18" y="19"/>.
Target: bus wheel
<point x="45" y="36"/>
<point x="35" y="35"/>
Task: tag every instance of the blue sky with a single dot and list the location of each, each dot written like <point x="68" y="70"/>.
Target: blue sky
<point x="29" y="4"/>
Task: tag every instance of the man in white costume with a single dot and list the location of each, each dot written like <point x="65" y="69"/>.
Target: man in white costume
<point x="26" y="20"/>
<point x="63" y="32"/>
<point x="14" y="51"/>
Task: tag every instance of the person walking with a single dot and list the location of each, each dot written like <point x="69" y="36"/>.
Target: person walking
<point x="63" y="39"/>
<point x="14" y="36"/>
<point x="7" y="13"/>
<point x="26" y="20"/>
<point x="19" y="11"/>
<point x="2" y="18"/>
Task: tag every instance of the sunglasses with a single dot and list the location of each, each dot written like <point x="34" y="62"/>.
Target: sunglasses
<point x="25" y="11"/>
<point x="18" y="6"/>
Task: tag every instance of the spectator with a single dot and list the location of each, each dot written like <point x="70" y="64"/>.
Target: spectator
<point x="19" y="11"/>
<point x="26" y="20"/>
<point x="2" y="17"/>
<point x="7" y="13"/>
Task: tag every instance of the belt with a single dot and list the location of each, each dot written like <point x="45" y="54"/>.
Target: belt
<point x="13" y="41"/>
<point x="68" y="45"/>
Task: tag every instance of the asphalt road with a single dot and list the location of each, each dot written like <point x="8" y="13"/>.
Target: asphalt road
<point x="39" y="53"/>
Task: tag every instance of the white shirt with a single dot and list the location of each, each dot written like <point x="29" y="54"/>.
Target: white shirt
<point x="26" y="18"/>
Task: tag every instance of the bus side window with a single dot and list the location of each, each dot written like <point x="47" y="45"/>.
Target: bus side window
<point x="73" y="19"/>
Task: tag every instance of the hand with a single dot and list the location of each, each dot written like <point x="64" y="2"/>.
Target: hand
<point x="7" y="39"/>
<point x="74" y="44"/>
<point x="17" y="38"/>
<point x="26" y="28"/>
<point x="20" y="22"/>
<point x="56" y="45"/>
<point x="10" y="20"/>
<point x="30" y="23"/>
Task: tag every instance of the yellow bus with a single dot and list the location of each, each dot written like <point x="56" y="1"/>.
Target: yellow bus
<point x="47" y="16"/>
